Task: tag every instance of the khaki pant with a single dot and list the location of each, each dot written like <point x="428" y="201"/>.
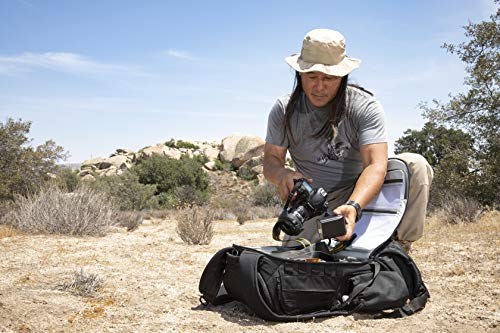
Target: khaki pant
<point x="411" y="227"/>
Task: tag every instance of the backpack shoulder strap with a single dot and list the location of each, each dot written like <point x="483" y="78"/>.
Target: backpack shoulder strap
<point x="211" y="280"/>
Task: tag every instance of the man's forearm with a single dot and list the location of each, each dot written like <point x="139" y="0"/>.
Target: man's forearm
<point x="369" y="184"/>
<point x="274" y="169"/>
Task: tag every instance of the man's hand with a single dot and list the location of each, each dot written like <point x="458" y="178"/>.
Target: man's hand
<point x="349" y="213"/>
<point x="275" y="171"/>
<point x="285" y="182"/>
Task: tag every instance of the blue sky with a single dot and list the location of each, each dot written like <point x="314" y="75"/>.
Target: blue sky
<point x="99" y="75"/>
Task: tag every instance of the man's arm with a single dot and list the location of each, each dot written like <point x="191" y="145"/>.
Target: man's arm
<point x="374" y="158"/>
<point x="275" y="171"/>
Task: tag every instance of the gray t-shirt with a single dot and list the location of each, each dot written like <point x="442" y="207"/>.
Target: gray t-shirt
<point x="335" y="162"/>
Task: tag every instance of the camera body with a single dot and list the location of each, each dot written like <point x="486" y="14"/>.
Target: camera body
<point x="305" y="202"/>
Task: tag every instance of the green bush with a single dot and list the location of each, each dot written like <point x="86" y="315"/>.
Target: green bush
<point x="67" y="179"/>
<point x="187" y="195"/>
<point x="266" y="195"/>
<point x="126" y="190"/>
<point x="219" y="165"/>
<point x="169" y="175"/>
<point x="181" y="144"/>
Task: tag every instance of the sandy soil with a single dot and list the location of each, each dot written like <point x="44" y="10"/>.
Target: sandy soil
<point x="151" y="282"/>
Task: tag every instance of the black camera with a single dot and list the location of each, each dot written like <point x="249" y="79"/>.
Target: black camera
<point x="307" y="203"/>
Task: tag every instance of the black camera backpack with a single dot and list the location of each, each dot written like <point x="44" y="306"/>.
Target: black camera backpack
<point x="373" y="274"/>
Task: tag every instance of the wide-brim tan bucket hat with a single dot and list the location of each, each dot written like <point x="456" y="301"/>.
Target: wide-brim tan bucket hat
<point x="323" y="50"/>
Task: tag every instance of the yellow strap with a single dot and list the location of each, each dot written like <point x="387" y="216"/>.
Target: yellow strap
<point x="300" y="240"/>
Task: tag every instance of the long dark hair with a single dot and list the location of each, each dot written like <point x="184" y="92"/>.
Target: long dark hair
<point x="337" y="112"/>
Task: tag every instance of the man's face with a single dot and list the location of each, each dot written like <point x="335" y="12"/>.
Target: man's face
<point x="320" y="88"/>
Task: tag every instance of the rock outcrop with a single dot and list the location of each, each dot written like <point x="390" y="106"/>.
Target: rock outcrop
<point x="245" y="153"/>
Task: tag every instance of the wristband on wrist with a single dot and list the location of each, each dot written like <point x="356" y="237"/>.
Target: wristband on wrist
<point x="356" y="206"/>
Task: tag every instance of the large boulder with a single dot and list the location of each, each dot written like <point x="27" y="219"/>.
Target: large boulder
<point x="93" y="163"/>
<point x="229" y="147"/>
<point x="161" y="149"/>
<point x="238" y="161"/>
<point x="251" y="168"/>
<point x="210" y="152"/>
<point x="210" y="165"/>
<point x="131" y="157"/>
<point x="240" y="148"/>
<point x="121" y="162"/>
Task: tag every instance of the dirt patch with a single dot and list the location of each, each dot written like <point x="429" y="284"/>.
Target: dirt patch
<point x="151" y="282"/>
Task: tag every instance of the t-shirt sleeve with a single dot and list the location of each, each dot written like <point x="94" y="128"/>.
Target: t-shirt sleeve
<point x="372" y="128"/>
<point x="275" y="126"/>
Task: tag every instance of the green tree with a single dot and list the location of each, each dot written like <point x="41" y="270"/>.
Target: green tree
<point x="23" y="168"/>
<point x="449" y="152"/>
<point x="435" y="142"/>
<point x="476" y="111"/>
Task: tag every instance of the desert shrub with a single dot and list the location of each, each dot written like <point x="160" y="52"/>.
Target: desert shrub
<point x="170" y="174"/>
<point x="163" y="214"/>
<point x="6" y="210"/>
<point x="129" y="219"/>
<point x="127" y="192"/>
<point x="458" y="210"/>
<point x="194" y="225"/>
<point x="167" y="200"/>
<point x="170" y="143"/>
<point x="242" y="214"/>
<point x="266" y="195"/>
<point x="259" y="212"/>
<point x="220" y="165"/>
<point x="67" y="179"/>
<point x="52" y="211"/>
<point x="224" y="214"/>
<point x="181" y="144"/>
<point x="188" y="196"/>
<point x="201" y="159"/>
<point x="82" y="284"/>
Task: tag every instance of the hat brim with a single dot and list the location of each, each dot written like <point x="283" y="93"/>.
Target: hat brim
<point x="341" y="69"/>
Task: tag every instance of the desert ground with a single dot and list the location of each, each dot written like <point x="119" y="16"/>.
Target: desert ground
<point x="150" y="282"/>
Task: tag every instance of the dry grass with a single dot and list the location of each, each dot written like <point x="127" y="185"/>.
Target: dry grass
<point x="151" y="284"/>
<point x="194" y="225"/>
<point x="52" y="211"/>
<point x="7" y="231"/>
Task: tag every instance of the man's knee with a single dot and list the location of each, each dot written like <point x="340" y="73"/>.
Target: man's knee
<point x="420" y="170"/>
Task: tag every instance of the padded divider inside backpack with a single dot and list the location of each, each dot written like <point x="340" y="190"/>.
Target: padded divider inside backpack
<point x="383" y="214"/>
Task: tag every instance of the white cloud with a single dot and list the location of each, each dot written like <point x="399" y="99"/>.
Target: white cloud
<point x="179" y="54"/>
<point x="59" y="61"/>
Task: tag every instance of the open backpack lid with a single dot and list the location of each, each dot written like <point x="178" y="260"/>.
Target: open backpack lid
<point x="380" y="219"/>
